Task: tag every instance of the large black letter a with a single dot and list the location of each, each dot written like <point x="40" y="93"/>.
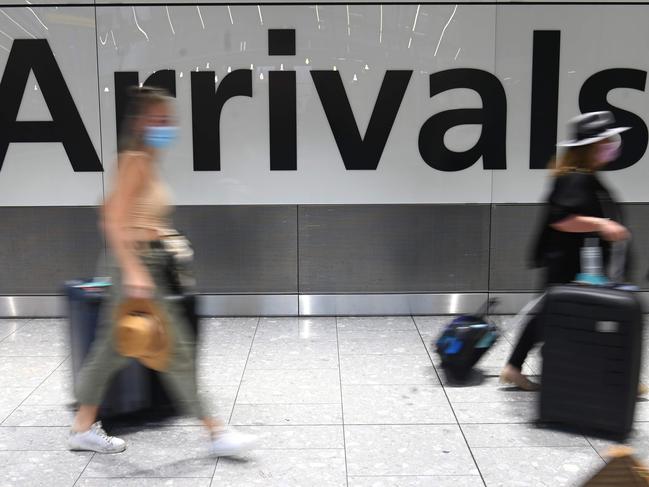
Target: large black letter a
<point x="492" y="116"/>
<point x="66" y="125"/>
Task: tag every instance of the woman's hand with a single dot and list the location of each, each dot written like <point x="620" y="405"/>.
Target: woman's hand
<point x="613" y="231"/>
<point x="138" y="284"/>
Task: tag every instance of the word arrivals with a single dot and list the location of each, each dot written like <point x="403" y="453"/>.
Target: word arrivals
<point x="358" y="152"/>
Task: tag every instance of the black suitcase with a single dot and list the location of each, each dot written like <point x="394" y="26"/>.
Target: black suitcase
<point x="136" y="388"/>
<point x="164" y="405"/>
<point x="129" y="391"/>
<point x="591" y="358"/>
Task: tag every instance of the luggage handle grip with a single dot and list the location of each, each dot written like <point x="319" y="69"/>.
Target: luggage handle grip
<point x="486" y="307"/>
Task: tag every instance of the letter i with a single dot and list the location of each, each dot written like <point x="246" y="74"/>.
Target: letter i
<point x="282" y="104"/>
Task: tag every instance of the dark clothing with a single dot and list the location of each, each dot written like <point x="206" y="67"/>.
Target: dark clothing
<point x="531" y="335"/>
<point x="574" y="193"/>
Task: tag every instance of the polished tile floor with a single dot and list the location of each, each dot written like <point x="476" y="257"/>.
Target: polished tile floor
<point x="352" y="402"/>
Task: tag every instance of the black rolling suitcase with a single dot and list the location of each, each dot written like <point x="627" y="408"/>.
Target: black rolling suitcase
<point x="164" y="405"/>
<point x="129" y="391"/>
<point x="591" y="357"/>
<point x="136" y="388"/>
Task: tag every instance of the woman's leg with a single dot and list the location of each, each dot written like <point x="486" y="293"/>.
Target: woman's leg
<point x="532" y="334"/>
<point x="101" y="363"/>
<point x="180" y="381"/>
<point x="94" y="378"/>
<point x="180" y="377"/>
<point x="512" y="373"/>
<point x="526" y="342"/>
<point x="86" y="416"/>
<point x="100" y="366"/>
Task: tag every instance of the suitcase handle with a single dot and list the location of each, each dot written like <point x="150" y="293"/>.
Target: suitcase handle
<point x="484" y="309"/>
<point x="616" y="267"/>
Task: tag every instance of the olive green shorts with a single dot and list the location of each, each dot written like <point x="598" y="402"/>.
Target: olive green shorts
<point x="103" y="361"/>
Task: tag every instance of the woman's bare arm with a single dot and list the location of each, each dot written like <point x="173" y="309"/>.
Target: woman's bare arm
<point x="608" y="229"/>
<point x="133" y="172"/>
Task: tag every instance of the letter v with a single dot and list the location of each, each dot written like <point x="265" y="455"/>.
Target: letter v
<point x="361" y="152"/>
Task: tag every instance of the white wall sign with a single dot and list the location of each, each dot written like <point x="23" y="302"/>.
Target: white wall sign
<point x="327" y="104"/>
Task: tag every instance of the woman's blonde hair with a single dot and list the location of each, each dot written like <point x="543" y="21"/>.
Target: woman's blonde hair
<point x="140" y="100"/>
<point x="580" y="158"/>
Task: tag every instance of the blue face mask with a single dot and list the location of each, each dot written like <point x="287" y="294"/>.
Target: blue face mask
<point x="160" y="137"/>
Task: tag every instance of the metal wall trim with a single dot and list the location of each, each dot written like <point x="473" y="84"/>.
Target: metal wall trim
<point x="248" y="305"/>
<point x="511" y="303"/>
<point x="208" y="305"/>
<point x="32" y="306"/>
<point x="307" y="304"/>
<point x="417" y="304"/>
<point x="389" y="304"/>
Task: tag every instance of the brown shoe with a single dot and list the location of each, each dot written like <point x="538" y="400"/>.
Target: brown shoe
<point x="511" y="375"/>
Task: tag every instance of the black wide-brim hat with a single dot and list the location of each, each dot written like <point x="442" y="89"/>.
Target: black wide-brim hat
<point x="592" y="127"/>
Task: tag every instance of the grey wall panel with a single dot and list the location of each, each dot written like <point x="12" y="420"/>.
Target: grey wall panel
<point x="513" y="229"/>
<point x="242" y="249"/>
<point x="343" y="249"/>
<point x="637" y="218"/>
<point x="43" y="246"/>
<point x="393" y="248"/>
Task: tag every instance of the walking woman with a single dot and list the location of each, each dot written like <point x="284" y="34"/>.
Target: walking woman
<point x="135" y="222"/>
<point x="579" y="206"/>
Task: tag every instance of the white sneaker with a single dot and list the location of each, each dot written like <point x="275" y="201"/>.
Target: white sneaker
<point x="232" y="443"/>
<point x="95" y="439"/>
